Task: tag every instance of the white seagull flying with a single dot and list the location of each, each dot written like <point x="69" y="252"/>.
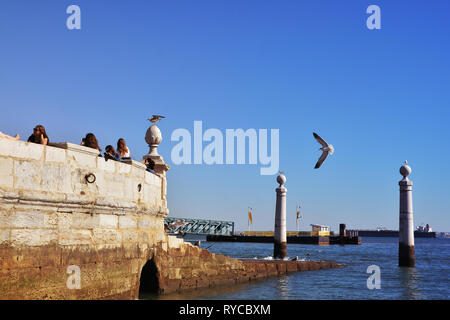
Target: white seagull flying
<point x="326" y="150"/>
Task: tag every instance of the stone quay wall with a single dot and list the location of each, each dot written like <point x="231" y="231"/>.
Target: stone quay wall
<point x="51" y="217"/>
<point x="63" y="207"/>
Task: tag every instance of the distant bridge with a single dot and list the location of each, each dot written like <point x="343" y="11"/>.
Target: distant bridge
<point x="198" y="226"/>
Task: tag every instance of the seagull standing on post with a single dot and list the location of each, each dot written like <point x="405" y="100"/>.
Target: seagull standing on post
<point x="326" y="150"/>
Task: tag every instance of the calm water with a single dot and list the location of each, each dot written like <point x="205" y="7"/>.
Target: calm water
<point x="428" y="280"/>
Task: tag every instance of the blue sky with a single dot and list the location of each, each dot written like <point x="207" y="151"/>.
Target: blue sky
<point x="379" y="96"/>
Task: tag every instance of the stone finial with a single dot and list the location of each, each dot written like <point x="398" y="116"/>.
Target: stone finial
<point x="153" y="137"/>
<point x="405" y="170"/>
<point x="281" y="179"/>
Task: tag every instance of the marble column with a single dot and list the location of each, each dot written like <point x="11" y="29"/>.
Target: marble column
<point x="280" y="241"/>
<point x="406" y="253"/>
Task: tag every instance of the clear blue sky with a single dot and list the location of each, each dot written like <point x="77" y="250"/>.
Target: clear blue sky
<point x="379" y="96"/>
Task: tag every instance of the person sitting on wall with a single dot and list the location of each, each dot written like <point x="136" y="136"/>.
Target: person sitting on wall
<point x="111" y="154"/>
<point x="39" y="136"/>
<point x="2" y="135"/>
<point x="123" y="150"/>
<point x="90" y="141"/>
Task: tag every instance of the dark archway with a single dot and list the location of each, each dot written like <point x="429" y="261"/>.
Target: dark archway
<point x="149" y="284"/>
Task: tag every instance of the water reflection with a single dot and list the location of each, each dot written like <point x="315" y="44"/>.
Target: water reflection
<point x="409" y="281"/>
<point x="283" y="287"/>
<point x="203" y="293"/>
<point x="428" y="280"/>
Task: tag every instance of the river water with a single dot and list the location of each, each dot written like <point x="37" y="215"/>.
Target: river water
<point x="428" y="280"/>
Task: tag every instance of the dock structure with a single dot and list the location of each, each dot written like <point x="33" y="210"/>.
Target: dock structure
<point x="319" y="236"/>
<point x="392" y="233"/>
<point x="198" y="226"/>
<point x="322" y="240"/>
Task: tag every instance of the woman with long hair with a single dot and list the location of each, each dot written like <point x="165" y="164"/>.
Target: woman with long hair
<point x="90" y="141"/>
<point x="39" y="136"/>
<point x="122" y="149"/>
<point x="110" y="153"/>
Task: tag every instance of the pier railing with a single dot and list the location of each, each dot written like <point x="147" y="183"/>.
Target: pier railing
<point x="198" y="226"/>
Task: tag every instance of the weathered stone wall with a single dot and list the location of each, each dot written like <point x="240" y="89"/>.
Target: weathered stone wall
<point x="51" y="218"/>
<point x="46" y="199"/>
<point x="184" y="267"/>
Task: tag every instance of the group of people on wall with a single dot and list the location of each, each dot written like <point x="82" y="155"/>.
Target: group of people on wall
<point x="122" y="152"/>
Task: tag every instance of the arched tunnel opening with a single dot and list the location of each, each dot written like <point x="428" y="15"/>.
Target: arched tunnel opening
<point x="149" y="284"/>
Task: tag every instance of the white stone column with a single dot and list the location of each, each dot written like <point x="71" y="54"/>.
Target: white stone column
<point x="406" y="256"/>
<point x="280" y="241"/>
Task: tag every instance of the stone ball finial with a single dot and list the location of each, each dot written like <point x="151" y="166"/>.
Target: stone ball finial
<point x="153" y="135"/>
<point x="281" y="179"/>
<point x="405" y="170"/>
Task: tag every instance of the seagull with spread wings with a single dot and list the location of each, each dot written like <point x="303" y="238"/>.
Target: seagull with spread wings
<point x="155" y="118"/>
<point x="327" y="149"/>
